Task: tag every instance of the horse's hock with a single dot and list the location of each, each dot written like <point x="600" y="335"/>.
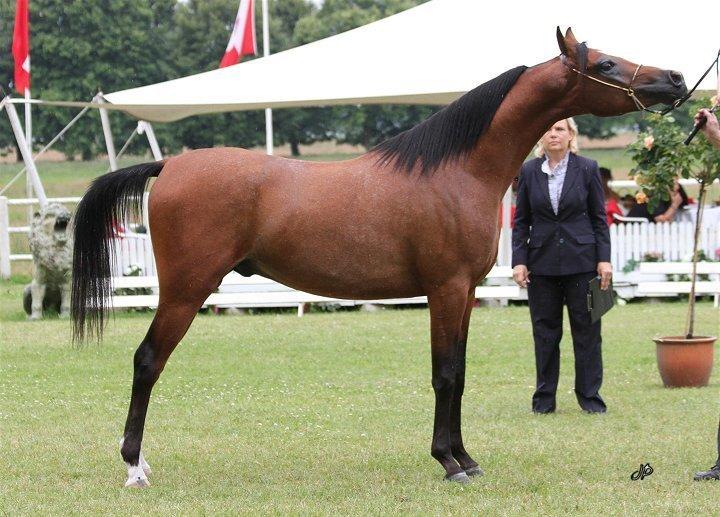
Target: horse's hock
<point x="51" y="247"/>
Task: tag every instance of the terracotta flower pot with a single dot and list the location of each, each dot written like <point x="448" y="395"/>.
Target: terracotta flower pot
<point x="685" y="362"/>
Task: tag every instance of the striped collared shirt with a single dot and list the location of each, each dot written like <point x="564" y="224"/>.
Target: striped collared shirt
<point x="556" y="178"/>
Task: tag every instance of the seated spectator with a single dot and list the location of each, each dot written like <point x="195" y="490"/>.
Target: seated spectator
<point x="627" y="203"/>
<point x="611" y="198"/>
<point x="665" y="211"/>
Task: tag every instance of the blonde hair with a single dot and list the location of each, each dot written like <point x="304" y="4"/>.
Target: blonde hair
<point x="540" y="151"/>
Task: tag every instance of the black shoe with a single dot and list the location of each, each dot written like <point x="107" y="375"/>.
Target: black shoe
<point x="713" y="473"/>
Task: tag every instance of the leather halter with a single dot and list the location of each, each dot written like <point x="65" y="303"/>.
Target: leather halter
<point x="628" y="89"/>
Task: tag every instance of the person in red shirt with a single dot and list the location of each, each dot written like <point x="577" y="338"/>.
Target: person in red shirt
<point x="612" y="200"/>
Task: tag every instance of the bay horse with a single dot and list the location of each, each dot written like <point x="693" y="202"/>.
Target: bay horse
<point x="417" y="215"/>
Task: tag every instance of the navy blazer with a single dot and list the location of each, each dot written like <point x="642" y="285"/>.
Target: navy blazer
<point x="574" y="240"/>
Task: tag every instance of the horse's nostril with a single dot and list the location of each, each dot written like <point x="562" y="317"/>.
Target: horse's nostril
<point x="676" y="78"/>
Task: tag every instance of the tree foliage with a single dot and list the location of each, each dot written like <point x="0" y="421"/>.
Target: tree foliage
<point x="660" y="157"/>
<point x="80" y="47"/>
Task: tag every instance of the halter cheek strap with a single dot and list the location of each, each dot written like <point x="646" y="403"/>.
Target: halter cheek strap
<point x="627" y="89"/>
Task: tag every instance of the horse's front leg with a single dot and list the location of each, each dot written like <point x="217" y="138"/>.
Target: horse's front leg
<point x="447" y="309"/>
<point x="456" y="442"/>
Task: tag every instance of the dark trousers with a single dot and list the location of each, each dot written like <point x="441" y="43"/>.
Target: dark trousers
<point x="718" y="460"/>
<point x="546" y="296"/>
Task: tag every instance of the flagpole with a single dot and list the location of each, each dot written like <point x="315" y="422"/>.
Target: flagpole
<point x="266" y="52"/>
<point x="28" y="139"/>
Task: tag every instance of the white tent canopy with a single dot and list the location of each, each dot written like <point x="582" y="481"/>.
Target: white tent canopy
<point x="431" y="54"/>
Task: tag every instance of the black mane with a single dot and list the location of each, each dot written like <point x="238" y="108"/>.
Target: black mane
<point x="452" y="131"/>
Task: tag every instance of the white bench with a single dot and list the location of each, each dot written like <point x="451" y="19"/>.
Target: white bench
<point x="674" y="288"/>
<point x="257" y="291"/>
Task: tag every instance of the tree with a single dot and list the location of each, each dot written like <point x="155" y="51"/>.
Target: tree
<point x="81" y="46"/>
<point x="660" y="157"/>
<point x="201" y="32"/>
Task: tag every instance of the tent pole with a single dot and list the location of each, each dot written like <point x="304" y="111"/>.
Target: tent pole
<point x="112" y="157"/>
<point x="5" y="270"/>
<point x="146" y="127"/>
<point x="25" y="151"/>
<point x="266" y="52"/>
<point x="269" y="131"/>
<point x="506" y="232"/>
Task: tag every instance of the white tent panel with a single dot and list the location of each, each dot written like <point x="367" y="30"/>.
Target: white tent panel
<point x="432" y="54"/>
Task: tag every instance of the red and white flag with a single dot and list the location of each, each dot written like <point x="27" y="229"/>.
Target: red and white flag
<point x="242" y="41"/>
<point x="21" y="46"/>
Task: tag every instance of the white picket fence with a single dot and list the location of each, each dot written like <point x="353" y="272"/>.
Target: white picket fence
<point x="133" y="250"/>
<point x="665" y="241"/>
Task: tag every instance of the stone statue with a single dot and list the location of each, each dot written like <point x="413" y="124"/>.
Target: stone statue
<point x="51" y="246"/>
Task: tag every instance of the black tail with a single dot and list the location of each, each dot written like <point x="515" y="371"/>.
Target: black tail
<point x="110" y="198"/>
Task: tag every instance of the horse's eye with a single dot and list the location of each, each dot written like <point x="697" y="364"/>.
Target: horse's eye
<point x="606" y="66"/>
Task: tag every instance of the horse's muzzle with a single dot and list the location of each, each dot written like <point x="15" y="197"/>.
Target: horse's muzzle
<point x="667" y="89"/>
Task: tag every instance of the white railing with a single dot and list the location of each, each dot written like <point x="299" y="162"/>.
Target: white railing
<point x="6" y="255"/>
<point x="130" y="249"/>
<point x="664" y="241"/>
<point x="133" y="249"/>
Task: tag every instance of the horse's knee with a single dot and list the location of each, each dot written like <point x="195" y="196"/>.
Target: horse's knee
<point x="444" y="382"/>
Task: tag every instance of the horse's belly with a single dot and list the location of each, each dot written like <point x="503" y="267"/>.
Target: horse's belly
<point x="337" y="275"/>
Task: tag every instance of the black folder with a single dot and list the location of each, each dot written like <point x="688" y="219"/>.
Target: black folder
<point x="599" y="301"/>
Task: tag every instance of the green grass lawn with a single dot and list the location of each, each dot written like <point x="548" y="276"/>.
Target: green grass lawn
<point x="332" y="414"/>
<point x="617" y="160"/>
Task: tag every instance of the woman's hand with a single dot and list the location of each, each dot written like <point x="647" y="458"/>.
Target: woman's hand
<point x="711" y="127"/>
<point x="521" y="275"/>
<point x="604" y="270"/>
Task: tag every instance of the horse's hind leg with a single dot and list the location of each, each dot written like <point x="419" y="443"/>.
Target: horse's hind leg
<point x="175" y="312"/>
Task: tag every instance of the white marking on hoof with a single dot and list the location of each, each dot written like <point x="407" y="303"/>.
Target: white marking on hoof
<point x="136" y="478"/>
<point x="144" y="465"/>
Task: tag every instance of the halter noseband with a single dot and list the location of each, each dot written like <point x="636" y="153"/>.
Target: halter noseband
<point x="629" y="90"/>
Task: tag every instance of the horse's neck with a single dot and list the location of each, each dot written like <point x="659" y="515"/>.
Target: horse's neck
<point x="537" y="100"/>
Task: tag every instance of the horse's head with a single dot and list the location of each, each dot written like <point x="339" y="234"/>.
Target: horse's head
<point x="606" y="85"/>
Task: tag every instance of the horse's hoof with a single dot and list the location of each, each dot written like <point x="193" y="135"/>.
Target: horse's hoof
<point x="136" y="478"/>
<point x="144" y="465"/>
<point x="460" y="477"/>
<point x="474" y="471"/>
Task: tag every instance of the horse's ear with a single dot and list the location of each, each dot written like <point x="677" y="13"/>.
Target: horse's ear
<point x="567" y="44"/>
<point x="561" y="41"/>
<point x="570" y="39"/>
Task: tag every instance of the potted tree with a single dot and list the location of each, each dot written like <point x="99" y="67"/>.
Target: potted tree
<point x="660" y="157"/>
